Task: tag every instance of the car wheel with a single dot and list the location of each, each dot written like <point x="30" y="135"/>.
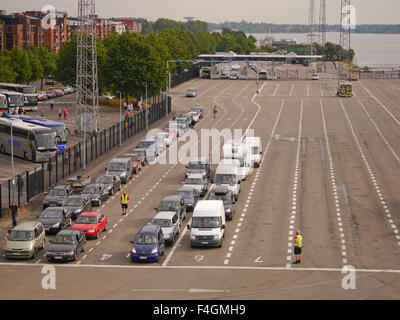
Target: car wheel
<point x="112" y="191"/>
<point x="34" y="253"/>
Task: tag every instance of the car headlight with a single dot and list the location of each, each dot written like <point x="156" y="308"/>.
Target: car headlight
<point x="70" y="253"/>
<point x="123" y="174"/>
<point x="91" y="231"/>
<point x="55" y="225"/>
<point x="133" y="250"/>
<point x="78" y="210"/>
<point x="154" y="250"/>
<point x="193" y="237"/>
<point x="228" y="210"/>
<point x="216" y="237"/>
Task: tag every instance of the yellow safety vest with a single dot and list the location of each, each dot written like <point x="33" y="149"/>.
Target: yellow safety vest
<point x="124" y="200"/>
<point x="298" y="241"/>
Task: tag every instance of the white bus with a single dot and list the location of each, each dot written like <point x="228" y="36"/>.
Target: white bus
<point x="3" y="103"/>
<point x="30" y="141"/>
<point x="14" y="99"/>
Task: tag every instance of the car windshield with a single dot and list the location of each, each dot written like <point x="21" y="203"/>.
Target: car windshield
<point x="254" y="150"/>
<point x="191" y="90"/>
<point x="162" y="222"/>
<point x="185" y="194"/>
<point x="91" y="189"/>
<point x="168" y="206"/>
<point x="193" y="181"/>
<point x="63" y="239"/>
<point x="195" y="165"/>
<point x="224" y="197"/>
<point x="104" y="179"/>
<point x="116" y="166"/>
<point x="72" y="202"/>
<point x="51" y="214"/>
<point x="45" y="140"/>
<point x="206" y="222"/>
<point x="145" y="144"/>
<point x="86" y="220"/>
<point x="57" y="193"/>
<point x="146" y="238"/>
<point x="225" y="179"/>
<point x="3" y="102"/>
<point x="21" y="235"/>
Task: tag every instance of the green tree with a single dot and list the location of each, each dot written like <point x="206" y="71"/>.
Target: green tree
<point x="20" y="64"/>
<point x="36" y="65"/>
<point x="48" y="61"/>
<point x="65" y="71"/>
<point x="7" y="73"/>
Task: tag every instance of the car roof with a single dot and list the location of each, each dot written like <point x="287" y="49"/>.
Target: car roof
<point x="68" y="232"/>
<point x="149" y="228"/>
<point x="164" y="215"/>
<point x="187" y="188"/>
<point x="89" y="214"/>
<point x="76" y="196"/>
<point x="175" y="197"/>
<point x="118" y="159"/>
<point x="61" y="186"/>
<point x="218" y="189"/>
<point x="27" y="225"/>
<point x="53" y="209"/>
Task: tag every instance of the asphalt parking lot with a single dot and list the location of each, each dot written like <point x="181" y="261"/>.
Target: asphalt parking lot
<point x="330" y="168"/>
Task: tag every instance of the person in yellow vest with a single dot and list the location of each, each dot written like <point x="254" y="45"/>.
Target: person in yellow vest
<point x="298" y="243"/>
<point x="124" y="202"/>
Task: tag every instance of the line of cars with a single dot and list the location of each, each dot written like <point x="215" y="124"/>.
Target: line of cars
<point x="54" y="92"/>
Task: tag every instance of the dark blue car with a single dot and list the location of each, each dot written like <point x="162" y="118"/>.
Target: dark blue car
<point x="149" y="244"/>
<point x="190" y="195"/>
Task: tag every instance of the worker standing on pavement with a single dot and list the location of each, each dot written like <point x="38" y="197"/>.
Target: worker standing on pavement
<point x="298" y="243"/>
<point x="51" y="104"/>
<point x="14" y="212"/>
<point x="124" y="202"/>
<point x="215" y="110"/>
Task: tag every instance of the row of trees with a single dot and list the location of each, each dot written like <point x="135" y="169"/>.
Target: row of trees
<point x="161" y="24"/>
<point x="25" y="66"/>
<point x="127" y="61"/>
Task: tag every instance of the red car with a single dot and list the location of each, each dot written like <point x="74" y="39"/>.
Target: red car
<point x="91" y="223"/>
<point x="136" y="162"/>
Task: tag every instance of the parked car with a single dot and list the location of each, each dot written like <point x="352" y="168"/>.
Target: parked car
<point x="190" y="195"/>
<point x="191" y="92"/>
<point x="149" y="244"/>
<point x="41" y="95"/>
<point x="77" y="204"/>
<point x="195" y="116"/>
<point x="169" y="223"/>
<point x="142" y="153"/>
<point x="227" y="197"/>
<point x="166" y="136"/>
<point x="113" y="183"/>
<point x="121" y="167"/>
<point x="51" y="94"/>
<point x="54" y="219"/>
<point x="66" y="245"/>
<point x="173" y="133"/>
<point x="91" y="223"/>
<point x="199" y="165"/>
<point x="197" y="109"/>
<point x="315" y="77"/>
<point x="57" y="195"/>
<point x="25" y="240"/>
<point x="136" y="161"/>
<point x="175" y="203"/>
<point x="106" y="96"/>
<point x="183" y="123"/>
<point x="96" y="192"/>
<point x="198" y="181"/>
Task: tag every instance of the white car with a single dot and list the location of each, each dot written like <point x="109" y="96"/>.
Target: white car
<point x="195" y="116"/>
<point x="167" y="138"/>
<point x="315" y="77"/>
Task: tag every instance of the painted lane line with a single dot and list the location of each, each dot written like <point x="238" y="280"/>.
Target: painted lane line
<point x="331" y="167"/>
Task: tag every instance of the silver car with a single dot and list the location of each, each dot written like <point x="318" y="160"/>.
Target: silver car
<point x="197" y="181"/>
<point x="169" y="223"/>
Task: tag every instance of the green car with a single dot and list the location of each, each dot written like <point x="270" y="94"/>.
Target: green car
<point x="25" y="240"/>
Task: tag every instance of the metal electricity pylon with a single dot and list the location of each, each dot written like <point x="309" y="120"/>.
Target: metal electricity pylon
<point x="345" y="35"/>
<point x="311" y="24"/>
<point x="322" y="23"/>
<point x="87" y="112"/>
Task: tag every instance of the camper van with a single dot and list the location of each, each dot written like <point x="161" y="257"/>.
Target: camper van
<point x="208" y="224"/>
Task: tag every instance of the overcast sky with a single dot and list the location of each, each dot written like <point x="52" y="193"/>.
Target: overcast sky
<point x="271" y="11"/>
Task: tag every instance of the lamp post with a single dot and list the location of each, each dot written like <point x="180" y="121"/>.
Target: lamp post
<point x="12" y="163"/>
<point x="147" y="117"/>
<point x="120" y="119"/>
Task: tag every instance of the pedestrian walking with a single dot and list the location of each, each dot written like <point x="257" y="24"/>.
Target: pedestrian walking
<point x="59" y="113"/>
<point x="124" y="202"/>
<point x="51" y="104"/>
<point x="298" y="244"/>
<point x="14" y="212"/>
<point x="41" y="114"/>
<point x="65" y="113"/>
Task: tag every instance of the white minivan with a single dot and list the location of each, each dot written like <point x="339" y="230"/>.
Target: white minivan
<point x="208" y="224"/>
<point x="255" y="146"/>
<point x="228" y="175"/>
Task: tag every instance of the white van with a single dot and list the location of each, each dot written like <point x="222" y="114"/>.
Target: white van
<point x="238" y="150"/>
<point x="228" y="175"/>
<point x="236" y="163"/>
<point x="208" y="224"/>
<point x="255" y="147"/>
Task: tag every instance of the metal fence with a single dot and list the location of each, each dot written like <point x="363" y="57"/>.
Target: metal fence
<point x="30" y="184"/>
<point x="379" y="75"/>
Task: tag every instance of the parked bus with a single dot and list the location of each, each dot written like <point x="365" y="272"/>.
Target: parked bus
<point x="14" y="99"/>
<point x="30" y="141"/>
<point x="29" y="93"/>
<point x="62" y="133"/>
<point x="3" y="103"/>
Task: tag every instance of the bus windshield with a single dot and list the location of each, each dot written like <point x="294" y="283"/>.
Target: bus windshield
<point x="60" y="131"/>
<point x="16" y="100"/>
<point x="45" y="140"/>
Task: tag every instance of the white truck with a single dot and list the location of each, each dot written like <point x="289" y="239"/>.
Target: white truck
<point x="255" y="147"/>
<point x="228" y="175"/>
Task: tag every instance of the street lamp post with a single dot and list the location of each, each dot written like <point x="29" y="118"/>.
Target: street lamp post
<point x="12" y="163"/>
<point x="147" y="116"/>
<point x="120" y="119"/>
